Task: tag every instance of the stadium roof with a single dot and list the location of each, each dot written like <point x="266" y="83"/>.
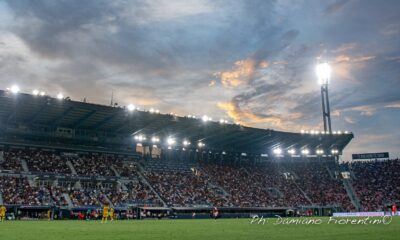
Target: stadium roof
<point x="28" y="110"/>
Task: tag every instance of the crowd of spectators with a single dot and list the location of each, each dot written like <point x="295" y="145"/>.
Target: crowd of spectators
<point x="17" y="190"/>
<point x="183" y="188"/>
<point x="46" y="162"/>
<point x="284" y="184"/>
<point x="93" y="165"/>
<point x="376" y="183"/>
<point x="10" y="160"/>
<point x="322" y="187"/>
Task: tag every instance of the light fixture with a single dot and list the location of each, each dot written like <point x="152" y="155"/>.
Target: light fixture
<point x="14" y="89"/>
<point x="323" y="72"/>
<point x="131" y="107"/>
<point x="277" y="151"/>
<point x="305" y="151"/>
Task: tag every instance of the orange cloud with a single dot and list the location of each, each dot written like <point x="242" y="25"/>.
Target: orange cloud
<point x="247" y="118"/>
<point x="240" y="74"/>
<point x="350" y="120"/>
<point x="365" y="110"/>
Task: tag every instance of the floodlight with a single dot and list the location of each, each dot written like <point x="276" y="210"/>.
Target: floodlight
<point x="319" y="151"/>
<point x="305" y="151"/>
<point x="140" y="137"/>
<point x="170" y="141"/>
<point x="205" y="118"/>
<point x="35" y="92"/>
<point x="42" y="93"/>
<point x="155" y="139"/>
<point x="277" y="151"/>
<point x="186" y="143"/>
<point x="302" y="131"/>
<point x="323" y="71"/>
<point x="334" y="151"/>
<point x="60" y="96"/>
<point x="131" y="107"/>
<point x="151" y="110"/>
<point x="200" y="144"/>
<point x="14" y="89"/>
<point x="292" y="151"/>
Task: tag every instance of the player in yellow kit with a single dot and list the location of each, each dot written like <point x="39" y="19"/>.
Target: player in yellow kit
<point x="112" y="214"/>
<point x="105" y="213"/>
<point x="3" y="211"/>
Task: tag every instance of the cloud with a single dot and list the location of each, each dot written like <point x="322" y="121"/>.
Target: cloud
<point x="241" y="74"/>
<point x="345" y="47"/>
<point x="350" y="120"/>
<point x="336" y="6"/>
<point x="365" y="110"/>
<point x="393" y="105"/>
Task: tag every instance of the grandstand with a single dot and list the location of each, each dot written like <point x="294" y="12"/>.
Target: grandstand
<point x="71" y="156"/>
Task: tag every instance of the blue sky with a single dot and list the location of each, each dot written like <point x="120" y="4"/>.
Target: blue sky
<point x="251" y="62"/>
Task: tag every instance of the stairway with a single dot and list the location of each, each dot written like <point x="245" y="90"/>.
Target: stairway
<point x="304" y="193"/>
<point x="1" y="156"/>
<point x="68" y="199"/>
<point x="331" y="174"/>
<point x="1" y="199"/>
<point x="24" y="165"/>
<point x="108" y="200"/>
<point x="115" y="171"/>
<point x="350" y="192"/>
<point x="71" y="167"/>
<point x="144" y="180"/>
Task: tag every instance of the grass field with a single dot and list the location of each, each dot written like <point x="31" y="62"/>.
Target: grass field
<point x="192" y="230"/>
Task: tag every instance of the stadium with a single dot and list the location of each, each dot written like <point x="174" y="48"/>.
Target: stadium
<point x="90" y="170"/>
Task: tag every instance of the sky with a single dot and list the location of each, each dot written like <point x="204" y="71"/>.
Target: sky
<point x="250" y="61"/>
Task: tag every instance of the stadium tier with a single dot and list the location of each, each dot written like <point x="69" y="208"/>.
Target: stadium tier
<point x="69" y="154"/>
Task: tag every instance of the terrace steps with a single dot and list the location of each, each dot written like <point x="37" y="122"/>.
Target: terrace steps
<point x="68" y="199"/>
<point x="351" y="193"/>
<point x="71" y="167"/>
<point x="24" y="165"/>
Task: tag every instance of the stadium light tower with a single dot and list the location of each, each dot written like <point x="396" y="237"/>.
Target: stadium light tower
<point x="324" y="76"/>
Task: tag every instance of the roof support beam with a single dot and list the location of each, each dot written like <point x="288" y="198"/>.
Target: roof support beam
<point x="81" y="120"/>
<point x="105" y="121"/>
<point x="58" y="119"/>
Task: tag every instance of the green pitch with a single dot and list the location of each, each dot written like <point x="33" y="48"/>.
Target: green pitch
<point x="192" y="230"/>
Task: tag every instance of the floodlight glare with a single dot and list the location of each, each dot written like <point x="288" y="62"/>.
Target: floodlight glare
<point x="319" y="151"/>
<point x="323" y="71"/>
<point x="186" y="143"/>
<point x="140" y="137"/>
<point x="42" y="93"/>
<point x="200" y="144"/>
<point x="155" y="139"/>
<point x="305" y="151"/>
<point x="60" y="96"/>
<point x="277" y="151"/>
<point x="205" y="118"/>
<point x="14" y="89"/>
<point x="292" y="151"/>
<point x="170" y="141"/>
<point x="334" y="151"/>
<point x="131" y="107"/>
<point x="35" y="92"/>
